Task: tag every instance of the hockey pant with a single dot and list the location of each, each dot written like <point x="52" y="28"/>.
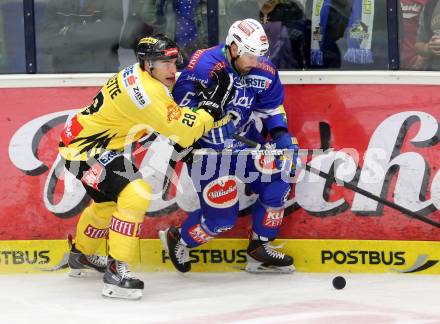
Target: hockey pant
<point x="215" y="179"/>
<point x="120" y="200"/>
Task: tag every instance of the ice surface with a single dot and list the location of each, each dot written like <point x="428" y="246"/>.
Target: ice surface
<point x="223" y="298"/>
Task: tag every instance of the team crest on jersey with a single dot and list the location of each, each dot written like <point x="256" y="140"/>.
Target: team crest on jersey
<point x="130" y="79"/>
<point x="258" y="82"/>
<point x="222" y="192"/>
<point x="240" y="99"/>
<point x="173" y="112"/>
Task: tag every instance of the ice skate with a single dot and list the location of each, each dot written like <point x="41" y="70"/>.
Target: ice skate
<point x="82" y="265"/>
<point x="262" y="257"/>
<point x="178" y="252"/>
<point x="120" y="282"/>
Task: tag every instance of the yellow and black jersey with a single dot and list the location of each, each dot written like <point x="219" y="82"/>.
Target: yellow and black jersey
<point x="130" y="105"/>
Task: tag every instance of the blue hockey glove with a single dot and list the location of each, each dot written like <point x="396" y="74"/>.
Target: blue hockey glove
<point x="289" y="161"/>
<point x="220" y="135"/>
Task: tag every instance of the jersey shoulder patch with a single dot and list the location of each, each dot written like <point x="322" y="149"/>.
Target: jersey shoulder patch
<point x="203" y="63"/>
<point x="195" y="58"/>
<point x="267" y="67"/>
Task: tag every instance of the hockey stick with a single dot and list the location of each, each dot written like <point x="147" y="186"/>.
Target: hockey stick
<point x="325" y="135"/>
<point x="64" y="262"/>
<point x="254" y="148"/>
<point x="257" y="146"/>
<point x="349" y="185"/>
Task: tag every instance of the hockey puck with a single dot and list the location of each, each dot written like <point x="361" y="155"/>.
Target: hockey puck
<point x="339" y="282"/>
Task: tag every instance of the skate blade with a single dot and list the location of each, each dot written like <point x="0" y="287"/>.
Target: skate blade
<point x="83" y="273"/>
<point x="258" y="267"/>
<point x="163" y="239"/>
<point x="113" y="291"/>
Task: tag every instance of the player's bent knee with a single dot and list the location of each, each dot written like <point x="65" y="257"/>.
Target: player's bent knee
<point x="126" y="222"/>
<point x="219" y="225"/>
<point x="135" y="198"/>
<point x="92" y="227"/>
<point x="275" y="194"/>
<point x="103" y="210"/>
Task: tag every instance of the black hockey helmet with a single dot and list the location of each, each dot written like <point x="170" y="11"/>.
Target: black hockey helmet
<point x="157" y="47"/>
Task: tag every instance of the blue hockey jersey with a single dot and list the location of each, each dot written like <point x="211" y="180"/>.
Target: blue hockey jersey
<point x="257" y="105"/>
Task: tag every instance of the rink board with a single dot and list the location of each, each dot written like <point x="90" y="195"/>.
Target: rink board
<point x="390" y="129"/>
<point x="226" y="255"/>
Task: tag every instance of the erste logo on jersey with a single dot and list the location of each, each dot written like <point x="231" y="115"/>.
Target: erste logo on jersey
<point x="128" y="76"/>
<point x="134" y="87"/>
<point x="222" y="192"/>
<point x="258" y="82"/>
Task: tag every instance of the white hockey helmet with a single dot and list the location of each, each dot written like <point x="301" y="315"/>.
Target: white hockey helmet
<point x="249" y="36"/>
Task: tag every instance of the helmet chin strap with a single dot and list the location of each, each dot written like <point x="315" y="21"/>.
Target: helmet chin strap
<point x="150" y="65"/>
<point x="233" y="59"/>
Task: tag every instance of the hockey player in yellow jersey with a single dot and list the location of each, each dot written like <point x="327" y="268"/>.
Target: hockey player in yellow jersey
<point x="133" y="103"/>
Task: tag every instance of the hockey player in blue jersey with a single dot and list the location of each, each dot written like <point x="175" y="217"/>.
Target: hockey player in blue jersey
<point x="256" y="112"/>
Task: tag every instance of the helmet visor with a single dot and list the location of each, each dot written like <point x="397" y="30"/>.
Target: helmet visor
<point x="171" y="53"/>
<point x="165" y="63"/>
